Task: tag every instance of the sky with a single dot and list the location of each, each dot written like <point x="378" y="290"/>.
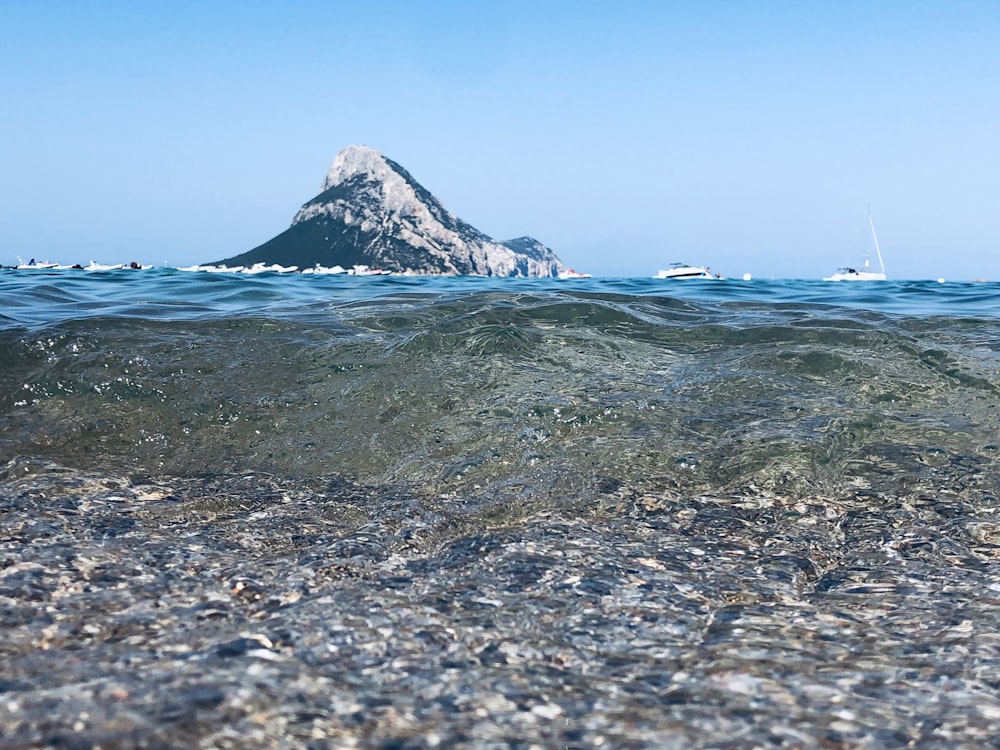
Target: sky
<point x="753" y="137"/>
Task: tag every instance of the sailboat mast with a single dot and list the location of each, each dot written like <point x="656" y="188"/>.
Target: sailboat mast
<point x="878" y="252"/>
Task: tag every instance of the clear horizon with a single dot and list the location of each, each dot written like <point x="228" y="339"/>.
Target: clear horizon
<point x="749" y="138"/>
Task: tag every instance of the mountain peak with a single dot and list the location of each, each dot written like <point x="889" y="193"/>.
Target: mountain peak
<point x="372" y="212"/>
<point x="354" y="161"/>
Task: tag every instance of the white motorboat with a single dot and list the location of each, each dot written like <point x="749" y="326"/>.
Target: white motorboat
<point x="325" y="270"/>
<point x="362" y="270"/>
<point x="33" y="264"/>
<point x="852" y="274"/>
<point x="569" y="273"/>
<point x="684" y="271"/>
<point x="272" y="268"/>
<point x="95" y="266"/>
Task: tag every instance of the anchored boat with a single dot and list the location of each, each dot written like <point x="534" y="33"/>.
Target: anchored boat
<point x="851" y="274"/>
<point x="684" y="271"/>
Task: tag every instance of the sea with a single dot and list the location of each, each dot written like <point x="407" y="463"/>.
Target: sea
<point x="279" y="510"/>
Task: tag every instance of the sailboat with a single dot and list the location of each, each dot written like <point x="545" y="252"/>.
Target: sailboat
<point x="851" y="274"/>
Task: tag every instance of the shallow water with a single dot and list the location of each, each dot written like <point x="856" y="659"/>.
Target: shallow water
<point x="455" y="382"/>
<point x="482" y="511"/>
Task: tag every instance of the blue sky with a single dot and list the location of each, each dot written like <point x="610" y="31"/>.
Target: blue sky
<point x="751" y="136"/>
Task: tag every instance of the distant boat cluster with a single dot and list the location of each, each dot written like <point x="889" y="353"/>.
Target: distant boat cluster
<point x="92" y="266"/>
<point x="357" y="270"/>
<point x="255" y="268"/>
<point x="276" y="268"/>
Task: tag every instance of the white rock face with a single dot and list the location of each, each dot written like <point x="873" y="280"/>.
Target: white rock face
<point x="407" y="228"/>
<point x="358" y="160"/>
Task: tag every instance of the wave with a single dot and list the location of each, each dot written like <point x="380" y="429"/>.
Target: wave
<point x="451" y="389"/>
<point x="39" y="298"/>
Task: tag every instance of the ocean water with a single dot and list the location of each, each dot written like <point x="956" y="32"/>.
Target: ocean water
<point x="527" y="383"/>
<point x="612" y="510"/>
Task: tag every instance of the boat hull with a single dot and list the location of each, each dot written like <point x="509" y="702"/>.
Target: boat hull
<point x="681" y="271"/>
<point x="856" y="276"/>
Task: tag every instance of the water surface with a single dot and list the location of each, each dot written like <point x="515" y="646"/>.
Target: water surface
<point x="423" y="511"/>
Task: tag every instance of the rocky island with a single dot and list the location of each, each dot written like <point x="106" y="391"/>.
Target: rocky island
<point x="371" y="212"/>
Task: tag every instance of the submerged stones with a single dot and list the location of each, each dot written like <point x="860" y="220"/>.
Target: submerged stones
<point x="312" y="612"/>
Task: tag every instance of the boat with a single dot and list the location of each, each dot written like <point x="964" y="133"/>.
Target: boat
<point x="569" y="273"/>
<point x="95" y="266"/>
<point x="273" y="268"/>
<point x="362" y="270"/>
<point x="852" y="274"/>
<point x="684" y="271"/>
<point x="32" y="264"/>
<point x="325" y="270"/>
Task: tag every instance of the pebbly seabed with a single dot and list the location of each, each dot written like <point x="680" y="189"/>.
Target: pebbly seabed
<point x="265" y="514"/>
